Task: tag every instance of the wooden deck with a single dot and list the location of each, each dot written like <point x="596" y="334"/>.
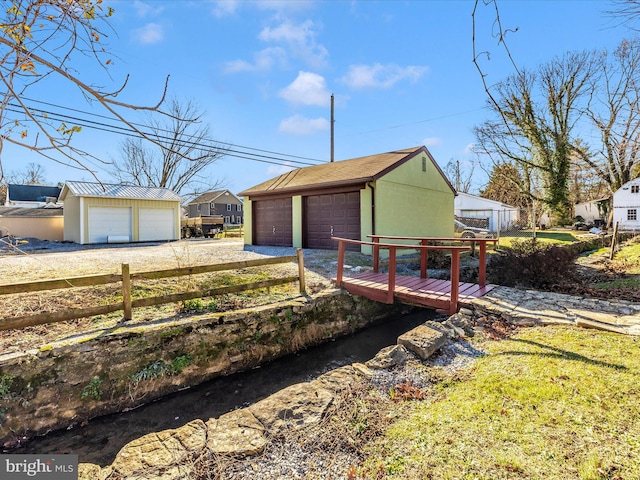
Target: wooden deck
<point x="442" y="295"/>
<point x="429" y="292"/>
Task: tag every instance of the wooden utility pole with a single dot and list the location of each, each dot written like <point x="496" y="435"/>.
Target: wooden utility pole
<point x="332" y="122"/>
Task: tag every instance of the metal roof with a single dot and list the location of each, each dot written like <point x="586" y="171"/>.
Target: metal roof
<point x="107" y="190"/>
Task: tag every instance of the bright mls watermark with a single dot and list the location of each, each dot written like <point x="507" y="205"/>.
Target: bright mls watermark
<point x="51" y="467"/>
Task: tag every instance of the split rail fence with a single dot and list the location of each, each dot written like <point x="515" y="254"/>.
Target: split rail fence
<point x="126" y="278"/>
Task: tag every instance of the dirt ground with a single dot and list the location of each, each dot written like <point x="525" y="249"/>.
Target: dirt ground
<point x="30" y="260"/>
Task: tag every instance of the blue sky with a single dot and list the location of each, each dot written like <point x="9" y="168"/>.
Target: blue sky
<point x="264" y="71"/>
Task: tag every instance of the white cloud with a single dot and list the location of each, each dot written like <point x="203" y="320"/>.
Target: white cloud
<point x="145" y="10"/>
<point x="470" y="148"/>
<point x="380" y="76"/>
<point x="263" y="61"/>
<point x="299" y="125"/>
<point x="150" y="34"/>
<point x="275" y="170"/>
<point x="300" y="40"/>
<point x="307" y="89"/>
<point x="432" y="141"/>
<point x="224" y="8"/>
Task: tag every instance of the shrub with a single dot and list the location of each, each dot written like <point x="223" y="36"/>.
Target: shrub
<point x="529" y="264"/>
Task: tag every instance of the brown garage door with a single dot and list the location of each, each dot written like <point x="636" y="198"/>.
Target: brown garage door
<point x="336" y="214"/>
<point x="272" y="222"/>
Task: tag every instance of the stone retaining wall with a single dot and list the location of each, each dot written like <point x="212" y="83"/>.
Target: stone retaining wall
<point x="67" y="382"/>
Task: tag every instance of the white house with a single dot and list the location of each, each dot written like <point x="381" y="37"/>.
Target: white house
<point x="501" y="216"/>
<point x="626" y="206"/>
<point x="106" y="213"/>
<point x="592" y="210"/>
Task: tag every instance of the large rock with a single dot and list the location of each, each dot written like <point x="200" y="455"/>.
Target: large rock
<point x="294" y="407"/>
<point x="238" y="433"/>
<point x="389" y="357"/>
<point x="165" y="454"/>
<point x="424" y="340"/>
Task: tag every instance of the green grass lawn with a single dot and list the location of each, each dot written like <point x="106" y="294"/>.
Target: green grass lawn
<point x="547" y="403"/>
<point x="542" y="236"/>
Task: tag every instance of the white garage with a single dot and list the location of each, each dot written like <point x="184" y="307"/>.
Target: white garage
<point x="109" y="223"/>
<point x="156" y="223"/>
<point x="107" y="213"/>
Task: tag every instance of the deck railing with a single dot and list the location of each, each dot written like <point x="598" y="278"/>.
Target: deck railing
<point x="393" y="248"/>
<point x="424" y="241"/>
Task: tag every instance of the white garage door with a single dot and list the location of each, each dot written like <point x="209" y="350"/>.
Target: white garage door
<point x="157" y="224"/>
<point x="105" y="222"/>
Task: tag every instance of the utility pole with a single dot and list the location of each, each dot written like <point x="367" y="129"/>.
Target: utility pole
<point x="332" y="122"/>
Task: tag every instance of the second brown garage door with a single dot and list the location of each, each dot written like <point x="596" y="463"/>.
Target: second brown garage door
<point x="272" y="222"/>
<point x="336" y="214"/>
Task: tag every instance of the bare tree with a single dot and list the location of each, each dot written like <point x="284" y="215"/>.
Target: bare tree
<point x="34" y="174"/>
<point x="39" y="40"/>
<point x="614" y="110"/>
<point x="535" y="115"/>
<point x="460" y="179"/>
<point x="179" y="156"/>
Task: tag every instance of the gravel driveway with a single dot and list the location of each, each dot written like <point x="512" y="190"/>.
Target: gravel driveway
<point x="39" y="260"/>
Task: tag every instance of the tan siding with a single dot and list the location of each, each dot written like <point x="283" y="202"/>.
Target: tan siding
<point x="72" y="219"/>
<point x="135" y="206"/>
<point x="43" y="228"/>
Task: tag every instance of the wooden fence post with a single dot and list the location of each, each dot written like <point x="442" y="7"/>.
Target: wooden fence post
<point x="303" y="286"/>
<point x="126" y="291"/>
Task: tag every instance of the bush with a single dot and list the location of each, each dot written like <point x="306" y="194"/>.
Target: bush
<point x="529" y="264"/>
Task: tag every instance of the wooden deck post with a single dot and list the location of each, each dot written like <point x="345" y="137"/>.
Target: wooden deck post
<point x="126" y="291"/>
<point x="424" y="257"/>
<point x="455" y="281"/>
<point x="303" y="286"/>
<point x="482" y="264"/>
<point x="392" y="274"/>
<point x="340" y="269"/>
<point x="376" y="255"/>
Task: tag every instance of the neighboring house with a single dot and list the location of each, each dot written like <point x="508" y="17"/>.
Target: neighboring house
<point x="31" y="196"/>
<point x="593" y="210"/>
<point x="40" y="223"/>
<point x="626" y="206"/>
<point x="396" y="193"/>
<point x="106" y="213"/>
<point x="220" y="202"/>
<point x="500" y="216"/>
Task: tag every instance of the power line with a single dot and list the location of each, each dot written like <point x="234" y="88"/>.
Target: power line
<point x="276" y="158"/>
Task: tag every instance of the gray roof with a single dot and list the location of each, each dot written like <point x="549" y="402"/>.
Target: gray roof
<point x="209" y="197"/>
<point x="107" y="190"/>
<point x="30" y="212"/>
<point x="32" y="193"/>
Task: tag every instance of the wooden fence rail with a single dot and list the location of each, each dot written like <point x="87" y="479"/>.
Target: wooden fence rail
<point x="126" y="278"/>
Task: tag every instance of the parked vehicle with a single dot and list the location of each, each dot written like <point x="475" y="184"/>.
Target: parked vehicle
<point x="201" y="226"/>
<point x="464" y="231"/>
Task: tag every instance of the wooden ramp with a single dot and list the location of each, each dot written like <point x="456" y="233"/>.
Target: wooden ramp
<point x="426" y="292"/>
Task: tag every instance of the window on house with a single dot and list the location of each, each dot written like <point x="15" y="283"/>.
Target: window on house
<point x="228" y="207"/>
<point x="226" y="220"/>
<point x="632" y="214"/>
<point x="424" y="164"/>
<point x="239" y="207"/>
<point x="635" y="188"/>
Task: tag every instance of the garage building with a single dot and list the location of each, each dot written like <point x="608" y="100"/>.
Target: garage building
<point x="403" y="192"/>
<point x="108" y="213"/>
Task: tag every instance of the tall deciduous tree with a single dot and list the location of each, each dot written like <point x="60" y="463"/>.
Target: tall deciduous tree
<point x="614" y="110"/>
<point x="534" y="118"/>
<point x="39" y="41"/>
<point x="179" y="156"/>
<point x="460" y="178"/>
